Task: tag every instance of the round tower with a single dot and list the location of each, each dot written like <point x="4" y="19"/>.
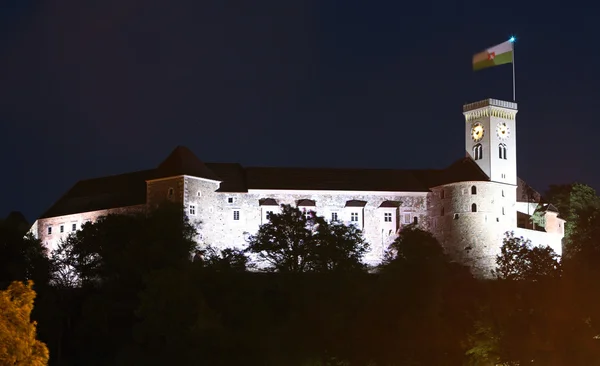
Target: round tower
<point x="471" y="216"/>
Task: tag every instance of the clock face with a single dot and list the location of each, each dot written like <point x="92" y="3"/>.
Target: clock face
<point x="502" y="131"/>
<point x="477" y="132"/>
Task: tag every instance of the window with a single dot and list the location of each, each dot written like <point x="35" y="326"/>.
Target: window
<point x="74" y="227"/>
<point x="268" y="215"/>
<point x="334" y="216"/>
<point x="62" y="228"/>
<point x="307" y="214"/>
<point x="387" y="216"/>
<point x="503" y="210"/>
<point x="406" y="218"/>
<point x="455" y="216"/>
<point x="442" y="194"/>
<point x="354" y="217"/>
<point x="474" y="207"/>
<point x="171" y="193"/>
<point x="198" y="194"/>
<point x="502" y="151"/>
<point x="415" y="220"/>
<point x="442" y="212"/>
<point x="192" y="209"/>
<point x="49" y="230"/>
<point x="473" y="190"/>
<point x="236" y="215"/>
<point x="503" y="193"/>
<point x="478" y="152"/>
<point x="229" y="199"/>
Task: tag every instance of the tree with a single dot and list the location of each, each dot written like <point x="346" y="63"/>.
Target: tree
<point x="22" y="257"/>
<point x="338" y="247"/>
<point x="176" y="326"/>
<point x="226" y="260"/>
<point x="519" y="260"/>
<point x="576" y="203"/>
<point x="125" y="247"/>
<point x="428" y="299"/>
<point x="111" y="260"/>
<point x="415" y="248"/>
<point x="294" y="241"/>
<point x="18" y="343"/>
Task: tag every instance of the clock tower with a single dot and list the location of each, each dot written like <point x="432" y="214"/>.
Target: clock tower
<point x="490" y="138"/>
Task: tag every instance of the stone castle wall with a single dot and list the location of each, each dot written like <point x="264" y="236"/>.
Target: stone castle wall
<point x="473" y="238"/>
<point x="217" y="225"/>
<point x="51" y="241"/>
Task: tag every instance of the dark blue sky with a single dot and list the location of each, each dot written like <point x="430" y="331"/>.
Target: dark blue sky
<point x="92" y="90"/>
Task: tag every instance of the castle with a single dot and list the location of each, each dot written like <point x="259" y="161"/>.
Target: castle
<point x="468" y="206"/>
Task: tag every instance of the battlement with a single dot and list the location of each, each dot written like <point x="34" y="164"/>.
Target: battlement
<point x="489" y="103"/>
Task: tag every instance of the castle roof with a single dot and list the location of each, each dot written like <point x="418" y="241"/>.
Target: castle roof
<point x="130" y="189"/>
<point x="182" y="161"/>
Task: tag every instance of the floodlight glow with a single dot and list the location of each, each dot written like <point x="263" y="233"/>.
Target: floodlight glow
<point x="512" y="39"/>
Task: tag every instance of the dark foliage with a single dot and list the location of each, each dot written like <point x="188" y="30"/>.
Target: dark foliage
<point x="295" y="241"/>
<point x="124" y="291"/>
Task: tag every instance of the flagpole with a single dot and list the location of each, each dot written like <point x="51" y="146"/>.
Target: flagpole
<point x="512" y="40"/>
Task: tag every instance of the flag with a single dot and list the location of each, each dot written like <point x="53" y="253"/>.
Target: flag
<point x="497" y="55"/>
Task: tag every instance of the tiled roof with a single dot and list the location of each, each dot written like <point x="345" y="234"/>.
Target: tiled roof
<point x="183" y="162"/>
<point x="130" y="189"/>
<point x="356" y="203"/>
<point x="102" y="193"/>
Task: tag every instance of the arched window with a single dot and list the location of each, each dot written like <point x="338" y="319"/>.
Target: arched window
<point x="502" y="151"/>
<point x="477" y="152"/>
<point x="474" y="208"/>
<point x="473" y="190"/>
<point x="415" y="220"/>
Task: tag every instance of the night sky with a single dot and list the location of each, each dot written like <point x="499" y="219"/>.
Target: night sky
<point x="113" y="86"/>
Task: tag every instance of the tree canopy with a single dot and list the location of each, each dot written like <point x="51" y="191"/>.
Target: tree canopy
<point x="18" y="343"/>
<point x="294" y="241"/>
<point x="520" y="260"/>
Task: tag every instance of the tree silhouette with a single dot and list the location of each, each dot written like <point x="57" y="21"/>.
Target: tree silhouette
<point x="519" y="260"/>
<point x="294" y="241"/>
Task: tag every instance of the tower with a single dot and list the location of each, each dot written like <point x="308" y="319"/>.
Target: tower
<point x="490" y="138"/>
